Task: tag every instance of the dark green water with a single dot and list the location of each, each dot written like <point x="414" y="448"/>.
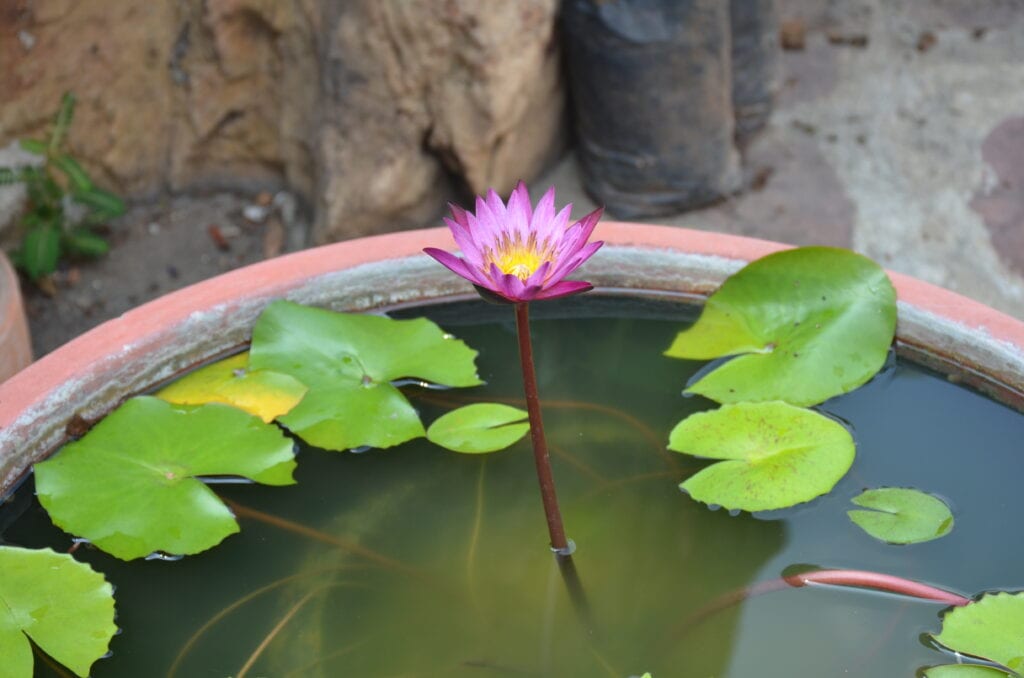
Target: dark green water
<point x="462" y="584"/>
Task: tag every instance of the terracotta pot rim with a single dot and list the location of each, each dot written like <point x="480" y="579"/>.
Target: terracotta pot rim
<point x="94" y="371"/>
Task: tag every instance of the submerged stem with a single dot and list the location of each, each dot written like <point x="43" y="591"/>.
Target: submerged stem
<point x="243" y="511"/>
<point x="540" y="447"/>
<point x="269" y="638"/>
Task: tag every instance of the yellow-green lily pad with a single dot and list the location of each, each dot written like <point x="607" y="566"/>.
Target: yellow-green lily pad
<point x="264" y="393"/>
<point x="773" y="455"/>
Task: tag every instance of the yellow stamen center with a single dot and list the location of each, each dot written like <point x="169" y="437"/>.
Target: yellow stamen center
<point x="516" y="257"/>
<point x="520" y="262"/>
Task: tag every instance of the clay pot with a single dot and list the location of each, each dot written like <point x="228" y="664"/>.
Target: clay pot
<point x="90" y="375"/>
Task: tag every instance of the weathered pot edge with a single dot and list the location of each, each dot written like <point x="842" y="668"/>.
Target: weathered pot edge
<point x="91" y="374"/>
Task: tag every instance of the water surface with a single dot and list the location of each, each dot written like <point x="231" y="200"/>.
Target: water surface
<point x="450" y="574"/>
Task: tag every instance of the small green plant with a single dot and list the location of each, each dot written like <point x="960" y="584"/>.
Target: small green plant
<point x="49" y="232"/>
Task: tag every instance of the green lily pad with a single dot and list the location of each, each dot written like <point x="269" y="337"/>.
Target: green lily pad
<point x="991" y="628"/>
<point x="478" y="428"/>
<point x="264" y="393"/>
<point x="814" y="322"/>
<point x="964" y="671"/>
<point x="130" y="485"/>
<point x="774" y="455"/>
<point x="348" y="361"/>
<point x="901" y="515"/>
<point x="64" y="606"/>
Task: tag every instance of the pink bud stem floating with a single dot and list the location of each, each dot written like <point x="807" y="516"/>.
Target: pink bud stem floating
<point x="856" y="579"/>
<point x="877" y="581"/>
<point x="516" y="254"/>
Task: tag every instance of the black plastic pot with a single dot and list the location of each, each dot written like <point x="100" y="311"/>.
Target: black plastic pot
<point x="653" y="90"/>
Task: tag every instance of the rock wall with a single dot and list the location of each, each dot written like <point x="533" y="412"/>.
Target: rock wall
<point x="375" y="111"/>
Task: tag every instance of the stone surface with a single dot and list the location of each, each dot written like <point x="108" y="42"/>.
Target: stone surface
<point x="372" y="110"/>
<point x="471" y="82"/>
<point x="1001" y="202"/>
<point x="13" y="197"/>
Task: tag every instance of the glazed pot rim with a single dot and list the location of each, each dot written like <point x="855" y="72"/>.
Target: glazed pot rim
<point x="123" y="356"/>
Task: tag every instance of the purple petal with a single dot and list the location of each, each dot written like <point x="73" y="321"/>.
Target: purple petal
<point x="454" y="264"/>
<point x="578" y="234"/>
<point x="540" y="275"/>
<point x="505" y="285"/>
<point x="564" y="289"/>
<point x="484" y="215"/>
<point x="573" y="261"/>
<point x="464" y="239"/>
<point x="459" y="215"/>
<point x="519" y="212"/>
<point x="556" y="228"/>
<point x="545" y="212"/>
<point x="589" y="222"/>
<point x="495" y="204"/>
<point x="483" y="229"/>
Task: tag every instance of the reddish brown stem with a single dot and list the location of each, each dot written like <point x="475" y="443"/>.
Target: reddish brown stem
<point x="540" y="447"/>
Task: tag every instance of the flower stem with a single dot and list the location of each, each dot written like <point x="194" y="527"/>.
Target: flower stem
<point x="540" y="447"/>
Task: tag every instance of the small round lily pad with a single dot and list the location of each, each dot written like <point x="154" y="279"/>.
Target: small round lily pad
<point x="479" y="428"/>
<point x="901" y="515"/>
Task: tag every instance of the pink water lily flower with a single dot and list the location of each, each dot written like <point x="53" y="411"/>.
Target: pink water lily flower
<point x="517" y="252"/>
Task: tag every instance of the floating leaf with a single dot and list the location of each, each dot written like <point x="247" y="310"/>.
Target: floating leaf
<point x="991" y="628"/>
<point x="348" y="361"/>
<point x="964" y="671"/>
<point x="774" y="455"/>
<point x="480" y="427"/>
<point x="65" y="607"/>
<point x="264" y="393"/>
<point x="130" y="485"/>
<point x="815" y="322"/>
<point x="901" y="515"/>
